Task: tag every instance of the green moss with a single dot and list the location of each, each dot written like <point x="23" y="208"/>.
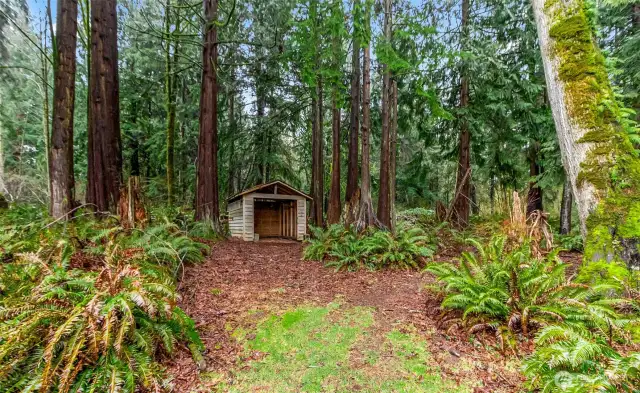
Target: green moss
<point x="336" y="349"/>
<point x="611" y="165"/>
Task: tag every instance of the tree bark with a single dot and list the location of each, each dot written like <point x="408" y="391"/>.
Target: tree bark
<point x="106" y="146"/>
<point x="365" y="216"/>
<point x="171" y="59"/>
<point x="85" y="11"/>
<point x="61" y="163"/>
<point x="354" y="125"/>
<point x="384" y="208"/>
<point x="317" y="165"/>
<point x="461" y="203"/>
<point x="334" y="209"/>
<point x="598" y="157"/>
<point x="232" y="180"/>
<point x="394" y="150"/>
<point x="317" y="173"/>
<point x="534" y="196"/>
<point x="565" y="208"/>
<point x="335" y="205"/>
<point x="207" y="204"/>
<point x="261" y="131"/>
<point x="46" y="126"/>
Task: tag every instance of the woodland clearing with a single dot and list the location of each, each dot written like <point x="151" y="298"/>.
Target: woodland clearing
<point x="244" y="291"/>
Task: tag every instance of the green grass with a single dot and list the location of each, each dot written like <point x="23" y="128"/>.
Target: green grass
<point x="334" y="349"/>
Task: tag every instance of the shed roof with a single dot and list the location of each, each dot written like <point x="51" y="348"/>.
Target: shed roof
<point x="289" y="190"/>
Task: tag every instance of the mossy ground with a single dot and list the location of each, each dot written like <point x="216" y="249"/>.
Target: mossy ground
<point x="335" y="349"/>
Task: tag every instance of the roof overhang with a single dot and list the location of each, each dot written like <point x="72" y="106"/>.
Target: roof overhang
<point x="263" y="186"/>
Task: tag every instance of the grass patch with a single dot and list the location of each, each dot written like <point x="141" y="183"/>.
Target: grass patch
<point x="334" y="349"/>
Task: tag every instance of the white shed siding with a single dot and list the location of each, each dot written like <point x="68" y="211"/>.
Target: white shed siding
<point x="293" y="217"/>
<point x="236" y="219"/>
<point x="302" y="218"/>
<point x="247" y="212"/>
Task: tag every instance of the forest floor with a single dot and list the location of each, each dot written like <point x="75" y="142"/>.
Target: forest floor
<point x="272" y="322"/>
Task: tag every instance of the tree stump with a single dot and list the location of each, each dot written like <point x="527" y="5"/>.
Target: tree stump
<point x="132" y="210"/>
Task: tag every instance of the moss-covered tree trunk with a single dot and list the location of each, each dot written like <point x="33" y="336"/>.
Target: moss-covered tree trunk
<point x="171" y="60"/>
<point x="598" y="157"/>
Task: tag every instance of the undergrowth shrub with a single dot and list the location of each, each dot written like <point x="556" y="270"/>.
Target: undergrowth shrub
<point x="513" y="291"/>
<point x="96" y="328"/>
<point x="581" y="330"/>
<point x="580" y="359"/>
<point x="570" y="242"/>
<point x="343" y="248"/>
<point x="418" y="216"/>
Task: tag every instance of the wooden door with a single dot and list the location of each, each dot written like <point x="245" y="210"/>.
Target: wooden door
<point x="267" y="219"/>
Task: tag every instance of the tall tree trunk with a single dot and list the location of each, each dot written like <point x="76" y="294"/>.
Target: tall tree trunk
<point x="534" y="197"/>
<point x="45" y="100"/>
<point x="475" y="207"/>
<point x="384" y="208"/>
<point x="598" y="157"/>
<point x="317" y="165"/>
<point x="232" y="180"/>
<point x="317" y="172"/>
<point x="61" y="163"/>
<point x="462" y="196"/>
<point x="394" y="150"/>
<point x="354" y="125"/>
<point x="106" y="146"/>
<point x="335" y="206"/>
<point x="261" y="128"/>
<point x="207" y="205"/>
<point x="365" y="216"/>
<point x="565" y="208"/>
<point x="171" y="59"/>
<point x="85" y="11"/>
<point x="267" y="157"/>
<point x="492" y="194"/>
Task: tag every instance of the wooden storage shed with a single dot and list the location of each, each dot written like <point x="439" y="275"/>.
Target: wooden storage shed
<point x="268" y="210"/>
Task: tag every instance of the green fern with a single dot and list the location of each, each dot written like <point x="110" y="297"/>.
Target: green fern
<point x="515" y="289"/>
<point x="91" y="331"/>
<point x="65" y="329"/>
<point x="575" y="359"/>
<point x="343" y="248"/>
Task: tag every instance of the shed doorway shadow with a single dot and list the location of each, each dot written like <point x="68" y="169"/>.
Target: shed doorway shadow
<point x="275" y="218"/>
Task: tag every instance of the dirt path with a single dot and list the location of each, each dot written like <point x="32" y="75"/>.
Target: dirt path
<point x="223" y="294"/>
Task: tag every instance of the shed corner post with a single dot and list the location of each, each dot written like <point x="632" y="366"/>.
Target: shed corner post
<point x="247" y="217"/>
<point x="302" y="218"/>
